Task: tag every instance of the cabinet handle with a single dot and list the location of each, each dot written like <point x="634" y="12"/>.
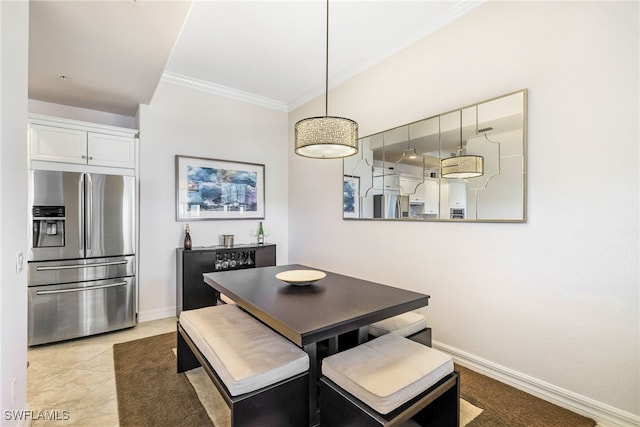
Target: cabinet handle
<point x="90" y="157"/>
<point x="84" y="157"/>
<point x="68" y="267"/>
<point x="88" y="288"/>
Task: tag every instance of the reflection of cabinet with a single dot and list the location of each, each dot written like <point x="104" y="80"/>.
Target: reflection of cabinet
<point x="457" y="194"/>
<point x="68" y="141"/>
<point x="191" y="291"/>
<point x="431" y="196"/>
<point x="385" y="180"/>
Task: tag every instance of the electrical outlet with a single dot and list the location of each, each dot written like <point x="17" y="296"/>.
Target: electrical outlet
<point x="19" y="262"/>
<point x="13" y="391"/>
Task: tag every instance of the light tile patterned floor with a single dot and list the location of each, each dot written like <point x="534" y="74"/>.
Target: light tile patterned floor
<point x="77" y="377"/>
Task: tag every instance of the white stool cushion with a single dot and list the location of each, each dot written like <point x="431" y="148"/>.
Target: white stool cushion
<point x="388" y="371"/>
<point x="245" y="353"/>
<point x="404" y="324"/>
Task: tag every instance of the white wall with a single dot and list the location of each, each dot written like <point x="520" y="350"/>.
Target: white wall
<point x="554" y="301"/>
<point x="188" y="122"/>
<point x="82" y="114"/>
<point x="14" y="24"/>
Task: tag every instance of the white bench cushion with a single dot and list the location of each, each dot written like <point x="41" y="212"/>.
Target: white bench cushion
<point x="245" y="353"/>
<point x="404" y="324"/>
<point x="388" y="371"/>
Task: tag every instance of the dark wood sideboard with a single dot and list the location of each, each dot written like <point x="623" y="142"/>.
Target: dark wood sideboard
<point x="192" y="292"/>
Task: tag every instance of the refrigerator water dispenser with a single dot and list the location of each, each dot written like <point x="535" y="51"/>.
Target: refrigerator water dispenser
<point x="48" y="226"/>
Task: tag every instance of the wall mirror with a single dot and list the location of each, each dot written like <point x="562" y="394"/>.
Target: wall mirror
<point x="464" y="165"/>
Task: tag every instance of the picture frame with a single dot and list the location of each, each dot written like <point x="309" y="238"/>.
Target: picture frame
<point x="351" y="197"/>
<point x="211" y="189"/>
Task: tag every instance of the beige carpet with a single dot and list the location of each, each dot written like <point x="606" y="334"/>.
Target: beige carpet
<point x="149" y="390"/>
<point x="506" y="406"/>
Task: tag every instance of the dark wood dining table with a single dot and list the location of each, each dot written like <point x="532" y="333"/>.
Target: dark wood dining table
<point x="306" y="315"/>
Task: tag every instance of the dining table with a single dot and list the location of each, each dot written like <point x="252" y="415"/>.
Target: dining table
<point x="310" y="313"/>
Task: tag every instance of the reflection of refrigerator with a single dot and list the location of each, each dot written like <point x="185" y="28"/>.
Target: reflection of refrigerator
<point x="81" y="255"/>
<point x="390" y="206"/>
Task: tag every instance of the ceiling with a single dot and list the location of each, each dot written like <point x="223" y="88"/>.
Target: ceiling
<point x="110" y="55"/>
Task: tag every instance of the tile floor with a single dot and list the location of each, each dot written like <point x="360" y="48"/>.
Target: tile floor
<point x="77" y="376"/>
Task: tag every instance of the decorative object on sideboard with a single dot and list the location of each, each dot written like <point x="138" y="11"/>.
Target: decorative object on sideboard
<point x="218" y="189"/>
<point x="227" y="240"/>
<point x="187" y="238"/>
<point x="326" y="137"/>
<point x="260" y="234"/>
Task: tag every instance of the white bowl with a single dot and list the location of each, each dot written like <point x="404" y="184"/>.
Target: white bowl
<point x="300" y="277"/>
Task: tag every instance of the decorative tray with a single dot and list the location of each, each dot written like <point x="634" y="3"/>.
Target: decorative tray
<point x="300" y="277"/>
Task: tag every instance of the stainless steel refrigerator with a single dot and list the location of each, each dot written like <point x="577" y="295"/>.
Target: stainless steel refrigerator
<point x="81" y="274"/>
<point x="390" y="205"/>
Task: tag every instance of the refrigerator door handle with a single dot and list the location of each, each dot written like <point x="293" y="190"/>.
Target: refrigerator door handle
<point x="81" y="214"/>
<point x="68" y="267"/>
<point x="89" y="288"/>
<point x="89" y="212"/>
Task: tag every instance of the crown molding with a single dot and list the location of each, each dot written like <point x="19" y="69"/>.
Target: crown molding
<point x="225" y="91"/>
<point x="455" y="11"/>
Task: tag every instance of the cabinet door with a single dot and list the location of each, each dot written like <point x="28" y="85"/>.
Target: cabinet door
<point x="431" y="195"/>
<point x="110" y="150"/>
<point x="54" y="144"/>
<point x="457" y="194"/>
<point x="265" y="256"/>
<point x="196" y="293"/>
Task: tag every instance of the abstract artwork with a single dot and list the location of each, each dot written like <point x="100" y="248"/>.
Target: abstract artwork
<point x="218" y="189"/>
<point x="351" y="198"/>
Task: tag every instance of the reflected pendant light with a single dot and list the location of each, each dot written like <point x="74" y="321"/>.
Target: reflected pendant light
<point x="462" y="166"/>
<point x="326" y="137"/>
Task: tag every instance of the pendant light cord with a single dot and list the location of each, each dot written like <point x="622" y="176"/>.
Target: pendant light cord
<point x="460" y="153"/>
<point x="326" y="80"/>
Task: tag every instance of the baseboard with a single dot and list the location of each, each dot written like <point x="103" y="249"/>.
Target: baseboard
<point x="603" y="414"/>
<point x="160" y="313"/>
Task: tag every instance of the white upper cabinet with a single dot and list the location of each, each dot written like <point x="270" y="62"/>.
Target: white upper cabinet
<point x="110" y="150"/>
<point x="52" y="144"/>
<point x="72" y="142"/>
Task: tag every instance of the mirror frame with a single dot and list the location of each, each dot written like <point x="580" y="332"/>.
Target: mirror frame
<point x="353" y="181"/>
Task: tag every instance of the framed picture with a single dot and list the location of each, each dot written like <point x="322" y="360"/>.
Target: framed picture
<point x="351" y="198"/>
<point x="218" y="189"/>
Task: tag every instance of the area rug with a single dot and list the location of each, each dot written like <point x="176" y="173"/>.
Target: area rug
<point x="506" y="406"/>
<point x="151" y="393"/>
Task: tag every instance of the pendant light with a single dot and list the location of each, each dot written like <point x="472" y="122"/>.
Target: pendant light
<point x="409" y="153"/>
<point x="462" y="166"/>
<point x="326" y="137"/>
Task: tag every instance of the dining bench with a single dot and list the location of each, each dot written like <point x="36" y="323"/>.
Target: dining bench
<point x="389" y="381"/>
<point x="411" y="324"/>
<point x="262" y="377"/>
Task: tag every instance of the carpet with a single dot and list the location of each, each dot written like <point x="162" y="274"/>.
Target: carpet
<point x="506" y="406"/>
<point x="151" y="393"/>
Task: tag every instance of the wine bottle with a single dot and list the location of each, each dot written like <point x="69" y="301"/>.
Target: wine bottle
<point x="260" y="234"/>
<point x="187" y="238"/>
